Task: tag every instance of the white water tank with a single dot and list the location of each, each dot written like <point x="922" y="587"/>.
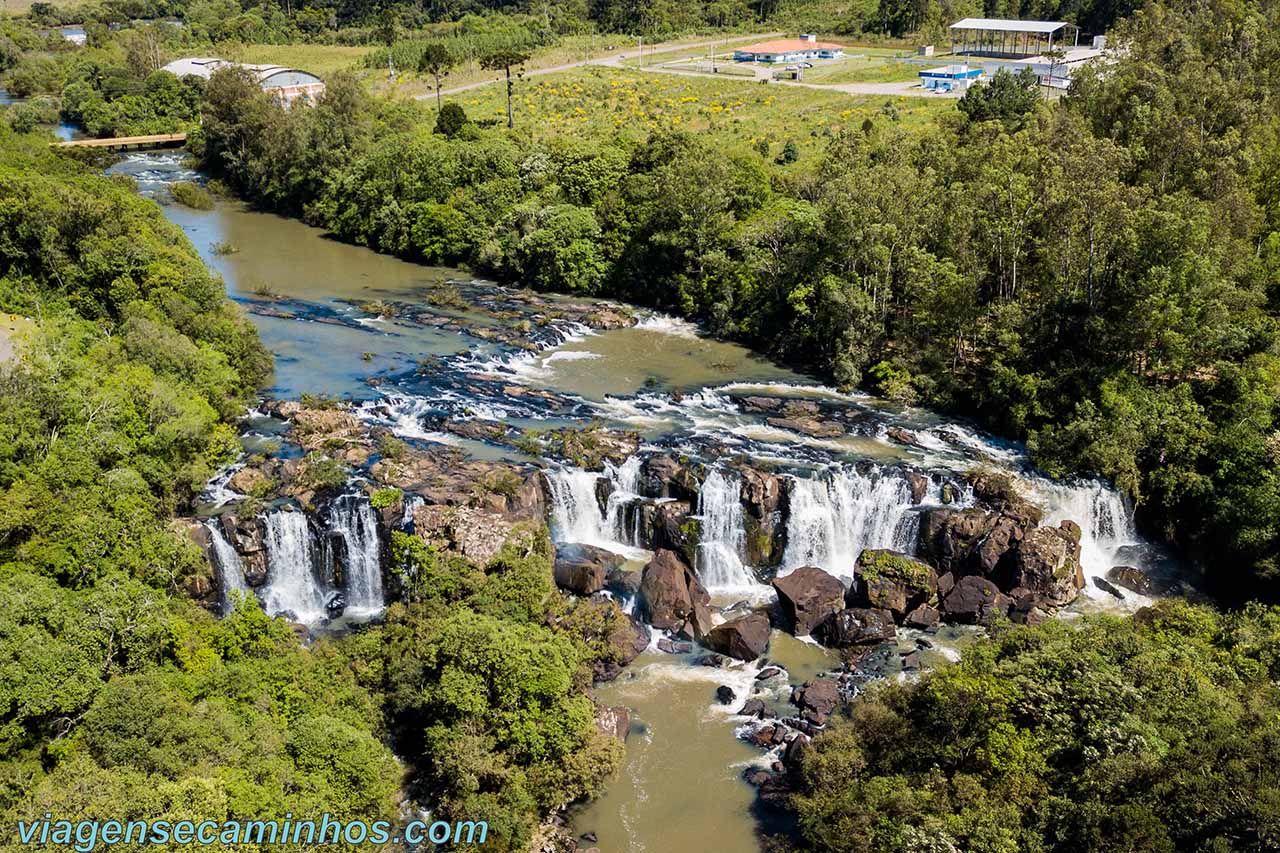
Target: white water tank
<point x="1099" y="42"/>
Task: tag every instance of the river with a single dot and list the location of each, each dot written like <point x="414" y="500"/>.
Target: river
<point x="347" y="322"/>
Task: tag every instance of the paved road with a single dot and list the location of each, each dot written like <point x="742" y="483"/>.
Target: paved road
<point x="610" y="59"/>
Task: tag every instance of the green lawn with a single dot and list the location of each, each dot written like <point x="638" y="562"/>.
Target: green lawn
<point x="863" y="65"/>
<point x="319" y="59"/>
<point x="604" y="102"/>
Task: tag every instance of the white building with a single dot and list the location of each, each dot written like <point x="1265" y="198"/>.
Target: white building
<point x="287" y="84"/>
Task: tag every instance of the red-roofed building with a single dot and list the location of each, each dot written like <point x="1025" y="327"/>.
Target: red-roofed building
<point x="789" y="50"/>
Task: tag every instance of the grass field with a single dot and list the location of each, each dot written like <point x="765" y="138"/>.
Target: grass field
<point x="603" y="102"/>
<point x="321" y="59"/>
<point x="21" y="7"/>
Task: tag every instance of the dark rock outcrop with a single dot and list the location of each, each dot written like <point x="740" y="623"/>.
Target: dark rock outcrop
<point x="674" y="530"/>
<point x="666" y="477"/>
<point x="923" y="617"/>
<point x="808" y="596"/>
<point x="764" y="509"/>
<point x="584" y="569"/>
<point x="725" y="694"/>
<point x="892" y="581"/>
<point x="1132" y="579"/>
<point x="673" y="597"/>
<point x="975" y="600"/>
<point x="744" y="638"/>
<point x="1109" y="588"/>
<point x="856" y="626"/>
<point x="817" y="699"/>
<point x="1047" y="565"/>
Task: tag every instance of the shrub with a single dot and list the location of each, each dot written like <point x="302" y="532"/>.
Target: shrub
<point x="191" y="195"/>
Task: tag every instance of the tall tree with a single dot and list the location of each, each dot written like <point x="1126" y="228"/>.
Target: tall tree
<point x="387" y="31"/>
<point x="504" y="59"/>
<point x="436" y="60"/>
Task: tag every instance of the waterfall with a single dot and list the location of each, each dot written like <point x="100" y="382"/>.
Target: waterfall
<point x="722" y="541"/>
<point x="230" y="567"/>
<point x="352" y="518"/>
<point x="576" y="515"/>
<point x="1105" y="519"/>
<point x="411" y="505"/>
<point x="835" y="515"/>
<point x="625" y="479"/>
<point x="292" y="583"/>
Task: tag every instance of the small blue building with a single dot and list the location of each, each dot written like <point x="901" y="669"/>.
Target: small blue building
<point x="949" y="78"/>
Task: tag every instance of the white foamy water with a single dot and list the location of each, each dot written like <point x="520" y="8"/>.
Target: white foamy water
<point x="837" y="513"/>
<point x="576" y="514"/>
<point x="351" y="517"/>
<point x="1106" y="526"/>
<point x="668" y="325"/>
<point x="722" y="539"/>
<point x="229" y="565"/>
<point x="405" y="415"/>
<point x="291" y="584"/>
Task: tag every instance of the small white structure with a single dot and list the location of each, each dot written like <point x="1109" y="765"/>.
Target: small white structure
<point x="286" y="84"/>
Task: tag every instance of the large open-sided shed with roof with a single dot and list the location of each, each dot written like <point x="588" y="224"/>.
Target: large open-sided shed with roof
<point x="1001" y="37"/>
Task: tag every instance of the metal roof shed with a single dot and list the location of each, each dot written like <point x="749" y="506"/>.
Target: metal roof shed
<point x="1006" y="37"/>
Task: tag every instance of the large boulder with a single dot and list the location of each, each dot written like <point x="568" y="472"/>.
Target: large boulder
<point x="892" y="581"/>
<point x="808" y="596"/>
<point x="999" y="491"/>
<point x="475" y="533"/>
<point x="626" y="637"/>
<point x="1132" y="579"/>
<point x="764" y="516"/>
<point x="817" y="699"/>
<point x="665" y="477"/>
<point x="1047" y="565"/>
<point x="856" y="626"/>
<point x="613" y="720"/>
<point x="676" y="530"/>
<point x="972" y="540"/>
<point x="584" y="569"/>
<point x="672" y="595"/>
<point x="744" y="638"/>
<point x="975" y="600"/>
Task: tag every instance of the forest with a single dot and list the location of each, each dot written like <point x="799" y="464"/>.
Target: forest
<point x="119" y="695"/>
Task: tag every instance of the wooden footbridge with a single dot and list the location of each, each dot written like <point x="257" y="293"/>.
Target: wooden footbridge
<point x="121" y="143"/>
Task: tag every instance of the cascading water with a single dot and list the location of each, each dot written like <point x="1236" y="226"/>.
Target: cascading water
<point x="723" y="537"/>
<point x="835" y="515"/>
<point x="352" y="518"/>
<point x="1105" y="519"/>
<point x="292" y="585"/>
<point x="576" y="515"/>
<point x="411" y="505"/>
<point x="229" y="565"/>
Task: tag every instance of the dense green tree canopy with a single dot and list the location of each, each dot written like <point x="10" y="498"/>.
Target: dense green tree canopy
<point x="1150" y="734"/>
